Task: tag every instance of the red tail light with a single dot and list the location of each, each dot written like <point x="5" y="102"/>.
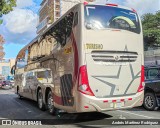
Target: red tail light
<point x="112" y="5"/>
<point x="129" y="98"/>
<point x="83" y="81"/>
<point x="141" y="86"/>
<point x="114" y="100"/>
<point x="133" y="10"/>
<point x="85" y="3"/>
<point x="122" y="100"/>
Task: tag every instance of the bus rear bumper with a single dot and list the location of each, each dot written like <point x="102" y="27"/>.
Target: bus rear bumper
<point x="91" y="103"/>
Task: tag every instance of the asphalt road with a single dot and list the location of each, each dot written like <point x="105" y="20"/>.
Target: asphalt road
<point x="11" y="107"/>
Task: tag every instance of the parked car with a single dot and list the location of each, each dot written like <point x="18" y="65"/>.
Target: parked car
<point x="1" y="83"/>
<point x="12" y="83"/>
<point x="152" y="88"/>
<point x="6" y="85"/>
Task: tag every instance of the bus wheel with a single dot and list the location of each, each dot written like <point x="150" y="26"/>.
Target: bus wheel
<point x="40" y="102"/>
<point x="149" y="101"/>
<point x="50" y="104"/>
<point x="19" y="96"/>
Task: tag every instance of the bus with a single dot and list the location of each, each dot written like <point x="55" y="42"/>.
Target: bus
<point x="91" y="59"/>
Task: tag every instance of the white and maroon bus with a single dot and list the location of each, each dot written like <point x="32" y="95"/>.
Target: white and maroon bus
<point x="91" y="59"/>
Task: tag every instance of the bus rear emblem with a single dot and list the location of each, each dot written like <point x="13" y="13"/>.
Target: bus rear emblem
<point x="116" y="58"/>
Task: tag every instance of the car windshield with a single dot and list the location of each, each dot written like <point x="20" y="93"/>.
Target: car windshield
<point x="106" y="17"/>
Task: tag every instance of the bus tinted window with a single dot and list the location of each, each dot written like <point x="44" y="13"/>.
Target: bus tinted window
<point x="44" y="74"/>
<point x="105" y="17"/>
<point x="62" y="30"/>
<point x="21" y="63"/>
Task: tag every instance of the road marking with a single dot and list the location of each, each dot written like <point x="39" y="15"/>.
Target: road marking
<point x="135" y="114"/>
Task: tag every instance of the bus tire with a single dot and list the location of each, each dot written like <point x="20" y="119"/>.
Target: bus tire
<point x="40" y="102"/>
<point x="150" y="102"/>
<point x="19" y="96"/>
<point x="50" y="105"/>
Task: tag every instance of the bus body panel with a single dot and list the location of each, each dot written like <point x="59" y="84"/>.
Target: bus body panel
<point x="114" y="84"/>
<point x="108" y="76"/>
<point x="90" y="104"/>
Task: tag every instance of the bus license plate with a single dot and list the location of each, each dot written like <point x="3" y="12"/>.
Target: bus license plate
<point x="118" y="105"/>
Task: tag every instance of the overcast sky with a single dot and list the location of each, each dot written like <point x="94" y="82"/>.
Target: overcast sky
<point x="19" y="26"/>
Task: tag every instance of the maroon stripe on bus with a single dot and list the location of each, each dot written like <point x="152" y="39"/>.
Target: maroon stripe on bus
<point x="57" y="99"/>
<point x="75" y="51"/>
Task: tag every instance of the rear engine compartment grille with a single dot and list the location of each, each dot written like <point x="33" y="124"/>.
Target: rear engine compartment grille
<point x="114" y="56"/>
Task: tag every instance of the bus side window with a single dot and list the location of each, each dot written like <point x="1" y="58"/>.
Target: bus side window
<point x="32" y="75"/>
<point x="40" y="74"/>
<point x="47" y="74"/>
<point x="69" y="25"/>
<point x="18" y="77"/>
<point x="15" y="77"/>
<point x="62" y="30"/>
<point x="27" y="76"/>
<point x="75" y="19"/>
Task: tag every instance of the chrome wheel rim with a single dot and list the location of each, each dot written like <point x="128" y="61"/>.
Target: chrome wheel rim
<point x="40" y="100"/>
<point x="149" y="101"/>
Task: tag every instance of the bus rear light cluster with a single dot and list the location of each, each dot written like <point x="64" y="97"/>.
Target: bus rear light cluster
<point x="86" y="107"/>
<point x="105" y="101"/>
<point x="122" y="100"/>
<point x="129" y="98"/>
<point x="83" y="82"/>
<point x="119" y="100"/>
<point x="142" y="83"/>
<point x="114" y="100"/>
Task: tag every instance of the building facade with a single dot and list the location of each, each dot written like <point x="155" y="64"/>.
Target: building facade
<point x="5" y="67"/>
<point x="51" y="10"/>
<point x="2" y="53"/>
<point x="152" y="57"/>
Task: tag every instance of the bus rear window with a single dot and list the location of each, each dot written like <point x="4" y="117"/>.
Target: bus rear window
<point x="106" y="17"/>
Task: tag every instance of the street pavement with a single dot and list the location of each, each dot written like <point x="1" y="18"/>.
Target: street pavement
<point x="11" y="107"/>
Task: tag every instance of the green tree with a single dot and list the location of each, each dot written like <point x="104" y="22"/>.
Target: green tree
<point x="151" y="29"/>
<point x="6" y="6"/>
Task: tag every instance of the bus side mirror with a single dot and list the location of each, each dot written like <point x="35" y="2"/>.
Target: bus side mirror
<point x="13" y="70"/>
